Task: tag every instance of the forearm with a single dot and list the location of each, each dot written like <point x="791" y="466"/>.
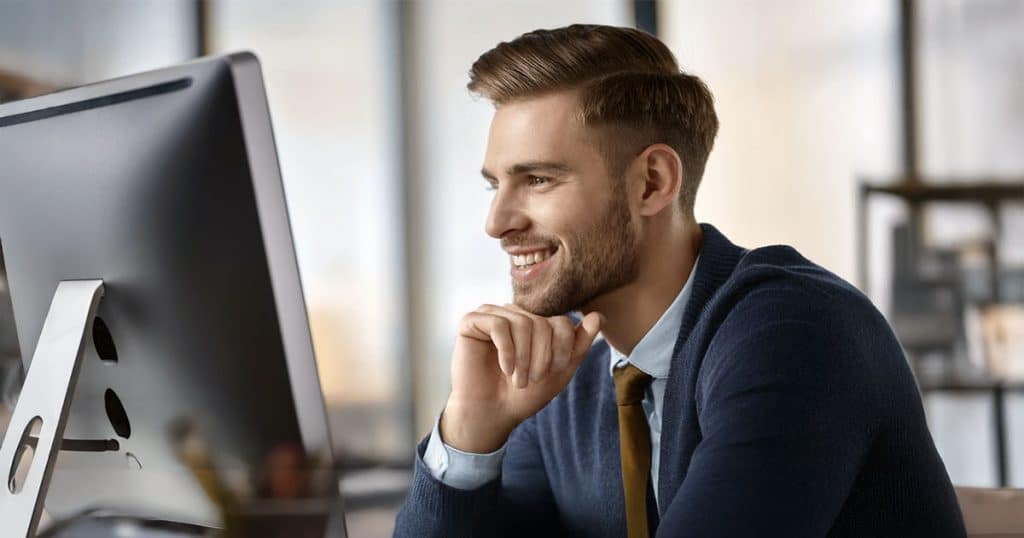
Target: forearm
<point x="516" y="502"/>
<point x="434" y="508"/>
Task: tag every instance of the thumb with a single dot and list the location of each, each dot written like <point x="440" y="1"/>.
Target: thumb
<point x="586" y="331"/>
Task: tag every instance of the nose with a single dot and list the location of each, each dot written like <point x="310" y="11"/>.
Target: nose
<point x="506" y="214"/>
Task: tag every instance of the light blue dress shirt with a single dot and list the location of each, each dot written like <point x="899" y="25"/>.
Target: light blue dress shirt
<point x="652" y="355"/>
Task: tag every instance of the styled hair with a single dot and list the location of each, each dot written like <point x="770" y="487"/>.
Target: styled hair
<point x="631" y="90"/>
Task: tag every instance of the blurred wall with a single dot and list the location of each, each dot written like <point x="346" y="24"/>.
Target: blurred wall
<point x="972" y="87"/>
<point x="807" y="97"/>
<point x="71" y="43"/>
<point x="330" y="70"/>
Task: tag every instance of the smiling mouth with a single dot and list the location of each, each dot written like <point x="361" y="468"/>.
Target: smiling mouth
<point x="528" y="260"/>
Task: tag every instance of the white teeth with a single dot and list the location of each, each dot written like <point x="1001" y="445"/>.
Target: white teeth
<point x="526" y="260"/>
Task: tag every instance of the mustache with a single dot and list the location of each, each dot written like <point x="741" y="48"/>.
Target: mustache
<point x="525" y="240"/>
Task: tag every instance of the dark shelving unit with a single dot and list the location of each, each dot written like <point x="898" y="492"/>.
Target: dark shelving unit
<point x="990" y="194"/>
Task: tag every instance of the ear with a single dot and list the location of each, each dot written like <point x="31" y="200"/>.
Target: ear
<point x="662" y="174"/>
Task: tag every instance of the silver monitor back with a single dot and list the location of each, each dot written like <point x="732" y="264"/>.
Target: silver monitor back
<point x="166" y="186"/>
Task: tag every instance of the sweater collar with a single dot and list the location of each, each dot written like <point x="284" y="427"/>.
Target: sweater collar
<point x="718" y="258"/>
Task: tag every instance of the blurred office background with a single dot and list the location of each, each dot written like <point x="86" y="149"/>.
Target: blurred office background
<point x="882" y="138"/>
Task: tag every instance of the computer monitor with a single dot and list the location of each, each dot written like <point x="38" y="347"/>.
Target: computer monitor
<point x="166" y="187"/>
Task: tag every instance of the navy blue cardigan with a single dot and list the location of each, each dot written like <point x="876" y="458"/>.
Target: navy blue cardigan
<point x="789" y="411"/>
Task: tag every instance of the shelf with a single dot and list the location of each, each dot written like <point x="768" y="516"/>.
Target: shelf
<point x="972" y="386"/>
<point x="988" y="191"/>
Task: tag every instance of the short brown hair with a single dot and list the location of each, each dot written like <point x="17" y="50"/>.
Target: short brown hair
<point x="630" y="84"/>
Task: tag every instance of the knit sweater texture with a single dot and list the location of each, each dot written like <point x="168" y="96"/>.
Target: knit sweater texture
<point x="789" y="411"/>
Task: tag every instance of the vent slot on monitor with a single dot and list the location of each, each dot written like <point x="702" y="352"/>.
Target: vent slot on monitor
<point x="96" y="102"/>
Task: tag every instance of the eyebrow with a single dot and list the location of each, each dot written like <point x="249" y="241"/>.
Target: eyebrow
<point x="527" y="167"/>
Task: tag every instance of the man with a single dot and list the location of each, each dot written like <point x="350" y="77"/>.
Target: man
<point x="733" y="392"/>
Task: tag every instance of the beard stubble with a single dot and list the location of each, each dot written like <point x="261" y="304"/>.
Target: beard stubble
<point x="604" y="259"/>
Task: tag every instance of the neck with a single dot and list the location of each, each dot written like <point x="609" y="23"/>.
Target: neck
<point x="632" y="310"/>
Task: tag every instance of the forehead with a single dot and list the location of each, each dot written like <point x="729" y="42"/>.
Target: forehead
<point x="543" y="128"/>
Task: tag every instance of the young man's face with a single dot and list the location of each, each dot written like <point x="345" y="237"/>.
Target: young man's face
<point x="565" y="223"/>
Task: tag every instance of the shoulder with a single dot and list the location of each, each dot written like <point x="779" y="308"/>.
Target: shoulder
<point x="778" y="283"/>
<point x="784" y="317"/>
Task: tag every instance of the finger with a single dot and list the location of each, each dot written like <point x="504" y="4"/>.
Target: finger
<point x="540" y="339"/>
<point x="521" y="327"/>
<point x="522" y="334"/>
<point x="497" y="330"/>
<point x="501" y="336"/>
<point x="540" y="359"/>
<point x="563" y="335"/>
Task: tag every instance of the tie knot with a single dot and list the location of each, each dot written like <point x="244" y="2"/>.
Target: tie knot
<point x="630" y="383"/>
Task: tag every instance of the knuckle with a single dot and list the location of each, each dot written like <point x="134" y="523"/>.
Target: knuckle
<point x="561" y="332"/>
<point x="467" y="321"/>
<point x="523" y="323"/>
<point x="560" y="322"/>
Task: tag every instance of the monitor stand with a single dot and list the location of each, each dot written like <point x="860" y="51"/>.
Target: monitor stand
<point x="46" y="397"/>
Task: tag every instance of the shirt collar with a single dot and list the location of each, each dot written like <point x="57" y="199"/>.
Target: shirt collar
<point x="653" y="353"/>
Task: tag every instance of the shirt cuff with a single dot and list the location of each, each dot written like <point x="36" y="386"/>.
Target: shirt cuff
<point x="458" y="469"/>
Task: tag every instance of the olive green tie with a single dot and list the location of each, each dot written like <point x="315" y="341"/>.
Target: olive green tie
<point x="634" y="446"/>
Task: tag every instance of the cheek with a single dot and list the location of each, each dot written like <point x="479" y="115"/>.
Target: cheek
<point x="566" y="209"/>
<point x="562" y="222"/>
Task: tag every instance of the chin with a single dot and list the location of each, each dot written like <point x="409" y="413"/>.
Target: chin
<point x="531" y="305"/>
<point x="535" y="305"/>
<point x="527" y="303"/>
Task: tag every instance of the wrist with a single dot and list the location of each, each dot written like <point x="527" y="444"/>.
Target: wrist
<point x="473" y="429"/>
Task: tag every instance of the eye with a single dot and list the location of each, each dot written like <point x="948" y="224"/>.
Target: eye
<point x="490" y="185"/>
<point x="538" y="181"/>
